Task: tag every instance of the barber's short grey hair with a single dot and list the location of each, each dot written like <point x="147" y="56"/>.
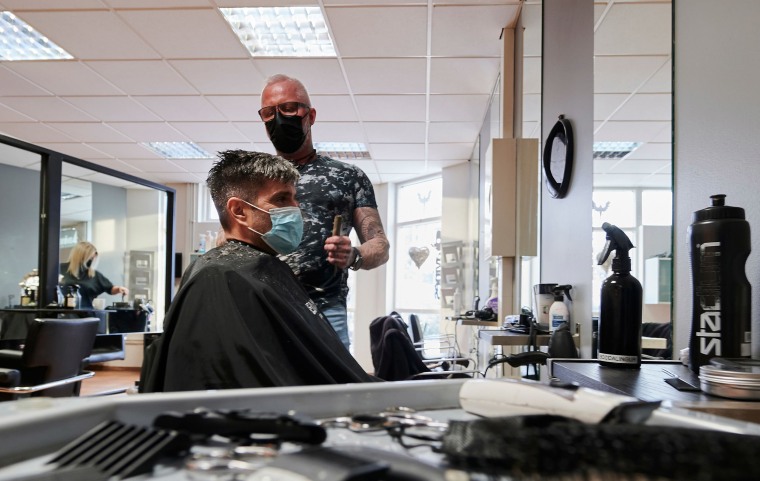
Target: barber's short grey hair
<point x="241" y="173"/>
<point x="303" y="94"/>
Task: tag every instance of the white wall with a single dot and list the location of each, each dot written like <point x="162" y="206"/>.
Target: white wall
<point x="568" y="82"/>
<point x="716" y="124"/>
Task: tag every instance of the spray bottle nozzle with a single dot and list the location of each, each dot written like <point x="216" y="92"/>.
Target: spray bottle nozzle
<point x="620" y="243"/>
<point x="561" y="290"/>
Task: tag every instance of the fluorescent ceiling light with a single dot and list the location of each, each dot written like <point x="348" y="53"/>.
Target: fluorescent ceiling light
<point x="614" y="150"/>
<point x="343" y="150"/>
<point x="281" y="31"/>
<point x="19" y="41"/>
<point x="177" y="150"/>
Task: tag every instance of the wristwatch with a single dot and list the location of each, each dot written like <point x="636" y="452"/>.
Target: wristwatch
<point x="358" y="260"/>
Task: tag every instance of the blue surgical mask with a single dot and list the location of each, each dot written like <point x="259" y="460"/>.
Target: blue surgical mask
<point x="287" y="228"/>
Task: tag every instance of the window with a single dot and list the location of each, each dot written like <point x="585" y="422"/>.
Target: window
<point x="632" y="211"/>
<point x="417" y="262"/>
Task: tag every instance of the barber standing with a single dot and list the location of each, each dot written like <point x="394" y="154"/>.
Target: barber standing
<point x="81" y="270"/>
<point x="326" y="188"/>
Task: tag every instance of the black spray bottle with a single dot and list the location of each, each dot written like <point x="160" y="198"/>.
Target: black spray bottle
<point x="620" y="311"/>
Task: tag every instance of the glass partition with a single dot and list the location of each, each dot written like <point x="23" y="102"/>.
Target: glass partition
<point x="54" y="201"/>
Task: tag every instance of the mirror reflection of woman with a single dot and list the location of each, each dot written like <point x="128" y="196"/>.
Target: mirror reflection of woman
<point x="81" y="270"/>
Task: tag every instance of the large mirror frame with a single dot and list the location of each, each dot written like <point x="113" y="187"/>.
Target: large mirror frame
<point x="51" y="174"/>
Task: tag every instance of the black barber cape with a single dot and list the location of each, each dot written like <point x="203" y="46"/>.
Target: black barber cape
<point x="241" y="319"/>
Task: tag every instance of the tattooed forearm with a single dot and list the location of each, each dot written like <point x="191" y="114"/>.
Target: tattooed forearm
<point x="375" y="245"/>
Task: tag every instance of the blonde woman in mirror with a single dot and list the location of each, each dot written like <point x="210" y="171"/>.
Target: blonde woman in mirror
<point x="81" y="269"/>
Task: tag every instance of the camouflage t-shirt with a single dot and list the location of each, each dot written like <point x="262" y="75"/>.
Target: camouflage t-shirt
<point x="327" y="188"/>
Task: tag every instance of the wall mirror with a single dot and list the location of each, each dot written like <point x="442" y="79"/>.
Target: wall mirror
<point x="128" y="219"/>
<point x="632" y="186"/>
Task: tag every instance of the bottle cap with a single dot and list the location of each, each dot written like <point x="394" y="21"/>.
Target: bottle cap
<point x="718" y="210"/>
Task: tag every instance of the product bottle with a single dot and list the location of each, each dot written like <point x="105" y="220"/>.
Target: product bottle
<point x="620" y="311"/>
<point x="558" y="312"/>
<point x="719" y="240"/>
<point x="457" y="302"/>
<point x="201" y="243"/>
<point x="70" y="301"/>
<point x="493" y="298"/>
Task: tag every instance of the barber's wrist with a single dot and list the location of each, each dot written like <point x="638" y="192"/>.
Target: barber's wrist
<point x="356" y="259"/>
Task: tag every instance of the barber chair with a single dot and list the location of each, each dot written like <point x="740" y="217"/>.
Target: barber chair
<point x="394" y="356"/>
<point x="49" y="361"/>
<point x="436" y="349"/>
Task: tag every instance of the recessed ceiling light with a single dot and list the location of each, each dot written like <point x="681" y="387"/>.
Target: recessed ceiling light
<point x="177" y="150"/>
<point x="281" y="31"/>
<point x="614" y="150"/>
<point x="19" y="41"/>
<point x="343" y="150"/>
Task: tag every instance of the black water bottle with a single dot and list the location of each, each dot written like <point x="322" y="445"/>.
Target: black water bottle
<point x="719" y="241"/>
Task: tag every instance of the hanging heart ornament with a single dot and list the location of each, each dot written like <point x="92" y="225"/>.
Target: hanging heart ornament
<point x="419" y="255"/>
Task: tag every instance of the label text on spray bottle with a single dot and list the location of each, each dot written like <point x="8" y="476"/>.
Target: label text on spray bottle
<point x="708" y="293"/>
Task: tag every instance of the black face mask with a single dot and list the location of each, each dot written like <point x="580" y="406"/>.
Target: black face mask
<point x="286" y="133"/>
<point x="88" y="264"/>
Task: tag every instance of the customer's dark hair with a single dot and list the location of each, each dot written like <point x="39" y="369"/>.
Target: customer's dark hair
<point x="240" y="173"/>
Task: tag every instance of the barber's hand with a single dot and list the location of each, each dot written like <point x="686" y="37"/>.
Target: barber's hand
<point x="120" y="290"/>
<point x="338" y="250"/>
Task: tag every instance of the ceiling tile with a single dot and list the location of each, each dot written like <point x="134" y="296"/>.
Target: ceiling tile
<point x="237" y="107"/>
<point x="662" y="81"/>
<point x="390" y="108"/>
<point x="152" y="3"/>
<point x="113" y="109"/>
<point x="14" y="84"/>
<point x="116" y="164"/>
<point x="254" y="131"/>
<point x="33" y="132"/>
<point x="480" y="35"/>
<point x="629" y="131"/>
<point x="463" y="75"/>
<point x="210" y="131"/>
<point x="450" y="151"/>
<point x="176" y="177"/>
<point x="89" y="131"/>
<point x="51" y="4"/>
<point x="333" y="108"/>
<point x="635" y="29"/>
<point x="319" y="75"/>
<point x="652" y="150"/>
<point x="606" y="104"/>
<point x="209" y="77"/>
<point x="394" y="31"/>
<point x="73" y="149"/>
<point x="394" y="132"/>
<point x="181" y="107"/>
<point x="397" y="151"/>
<point x="174" y="33"/>
<point x="454" y="132"/>
<point x="143" y="77"/>
<point x="645" y="106"/>
<point x="10" y="115"/>
<point x="622" y="74"/>
<point x="324" y="131"/>
<point x="386" y="76"/>
<point x="108" y="37"/>
<point x="458" y="108"/>
<point x="156" y="165"/>
<point x="638" y="166"/>
<point x="214" y="147"/>
<point x="149" y="131"/>
<point x="195" y="166"/>
<point x="47" y="109"/>
<point x="65" y="78"/>
<point x="258" y="3"/>
<point x="125" y="150"/>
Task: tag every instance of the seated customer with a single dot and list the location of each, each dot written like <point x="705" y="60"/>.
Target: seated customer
<point x="241" y="318"/>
